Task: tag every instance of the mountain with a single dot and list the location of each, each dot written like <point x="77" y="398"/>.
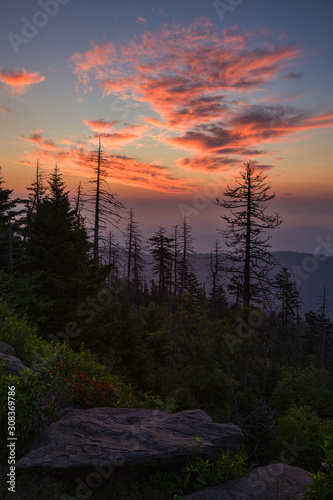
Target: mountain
<point x="311" y="273"/>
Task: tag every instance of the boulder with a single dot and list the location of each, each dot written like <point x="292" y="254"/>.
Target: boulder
<point x="13" y="365"/>
<point x="6" y="349"/>
<point x="137" y="439"/>
<point x="277" y="481"/>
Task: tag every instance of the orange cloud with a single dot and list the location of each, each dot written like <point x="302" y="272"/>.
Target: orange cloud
<point x="77" y="160"/>
<point x="4" y="109"/>
<point x="207" y="163"/>
<point x="194" y="79"/>
<point x="155" y="122"/>
<point x="17" y="82"/>
<point x="36" y="138"/>
<point x="141" y="20"/>
<point x="100" y="125"/>
<point x="116" y="139"/>
<point x="97" y="59"/>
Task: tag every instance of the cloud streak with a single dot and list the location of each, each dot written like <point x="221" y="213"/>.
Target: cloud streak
<point x="76" y="159"/>
<point x="18" y="82"/>
<point x="4" y="109"/>
<point x="206" y="87"/>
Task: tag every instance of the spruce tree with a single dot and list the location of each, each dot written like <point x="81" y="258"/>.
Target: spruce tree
<point x="7" y="227"/>
<point x="245" y="235"/>
<point x="162" y="253"/>
<point x="58" y="249"/>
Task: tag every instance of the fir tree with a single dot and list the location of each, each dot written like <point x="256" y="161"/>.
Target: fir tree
<point x="245" y="236"/>
<point x="8" y="227"/>
<point x="58" y="249"/>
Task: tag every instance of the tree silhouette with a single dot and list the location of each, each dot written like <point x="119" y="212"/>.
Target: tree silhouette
<point x="57" y="248"/>
<point x="7" y="226"/>
<point x="245" y="236"/>
<point x="162" y="252"/>
<point x="106" y="207"/>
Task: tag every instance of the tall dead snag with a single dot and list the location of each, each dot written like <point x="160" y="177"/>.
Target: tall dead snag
<point x="245" y="235"/>
<point x="133" y="251"/>
<point x="106" y="207"/>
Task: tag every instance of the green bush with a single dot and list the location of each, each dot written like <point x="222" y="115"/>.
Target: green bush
<point x="300" y="388"/>
<point x="28" y="410"/>
<point x="201" y="472"/>
<point x="322" y="481"/>
<point x="299" y="434"/>
<point x="45" y="389"/>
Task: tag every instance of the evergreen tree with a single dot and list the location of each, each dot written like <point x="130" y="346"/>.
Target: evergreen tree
<point x="249" y="254"/>
<point x="8" y="227"/>
<point x="134" y="252"/>
<point x="58" y="249"/>
<point x="37" y="191"/>
<point x="215" y="268"/>
<point x="162" y="252"/>
<point x="319" y="337"/>
<point x="288" y="296"/>
<point x="186" y="276"/>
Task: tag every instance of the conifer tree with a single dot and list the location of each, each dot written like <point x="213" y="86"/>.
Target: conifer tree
<point x="58" y="249"/>
<point x="245" y="235"/>
<point x="7" y="227"/>
<point x="215" y="267"/>
<point x="319" y="337"/>
<point x="288" y="296"/>
<point x="186" y="274"/>
<point x="133" y="250"/>
<point x="162" y="252"/>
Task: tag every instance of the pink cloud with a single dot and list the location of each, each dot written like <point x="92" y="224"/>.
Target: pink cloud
<point x="100" y="125"/>
<point x="116" y="139"/>
<point x="76" y="160"/>
<point x="141" y="20"/>
<point x="208" y="163"/>
<point x="17" y="82"/>
<point x="194" y="79"/>
<point x="36" y="138"/>
<point x="4" y="109"/>
<point x="96" y="59"/>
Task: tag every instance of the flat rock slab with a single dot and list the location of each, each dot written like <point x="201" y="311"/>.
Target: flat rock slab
<point x="122" y="437"/>
<point x="13" y="365"/>
<point x="278" y="481"/>
<point x="7" y="349"/>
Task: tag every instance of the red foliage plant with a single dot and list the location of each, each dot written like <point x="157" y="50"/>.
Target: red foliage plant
<point x="91" y="393"/>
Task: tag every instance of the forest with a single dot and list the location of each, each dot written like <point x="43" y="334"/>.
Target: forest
<point x="75" y="303"/>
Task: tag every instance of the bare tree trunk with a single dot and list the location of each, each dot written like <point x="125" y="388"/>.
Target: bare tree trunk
<point x="96" y="227"/>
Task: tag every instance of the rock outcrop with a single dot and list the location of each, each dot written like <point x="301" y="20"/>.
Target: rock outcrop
<point x="137" y="439"/>
<point x="7" y="349"/>
<point x="13" y="365"/>
<point x="278" y="481"/>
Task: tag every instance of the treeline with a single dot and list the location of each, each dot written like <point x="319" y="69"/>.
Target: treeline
<point x="252" y="360"/>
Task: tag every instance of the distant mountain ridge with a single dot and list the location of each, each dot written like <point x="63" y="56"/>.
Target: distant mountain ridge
<point x="311" y="274"/>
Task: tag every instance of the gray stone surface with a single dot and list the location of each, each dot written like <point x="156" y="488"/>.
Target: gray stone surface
<point x="13" y="365"/>
<point x="6" y="349"/>
<point x="273" y="482"/>
<point x="135" y="438"/>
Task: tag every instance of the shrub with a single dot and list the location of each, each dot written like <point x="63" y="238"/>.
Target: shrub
<point x="299" y="434"/>
<point x="322" y="481"/>
<point x="28" y="411"/>
<point x="300" y="388"/>
<point x="92" y="393"/>
<point x="200" y="472"/>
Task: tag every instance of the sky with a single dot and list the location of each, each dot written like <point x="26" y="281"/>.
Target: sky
<point x="181" y="94"/>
